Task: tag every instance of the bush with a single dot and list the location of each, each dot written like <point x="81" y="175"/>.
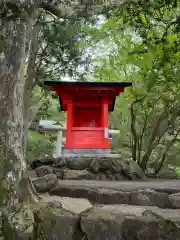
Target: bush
<point x="177" y="170"/>
<point x="39" y="145"/>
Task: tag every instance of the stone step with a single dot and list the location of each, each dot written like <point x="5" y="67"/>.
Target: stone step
<point x="131" y="223"/>
<point x="75" y="219"/>
<point x="136" y="193"/>
<point x="167" y="186"/>
<point x="164" y="194"/>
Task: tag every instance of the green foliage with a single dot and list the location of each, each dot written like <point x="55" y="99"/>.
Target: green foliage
<point x="177" y="170"/>
<point x="50" y="109"/>
<point x="39" y="145"/>
<point x="60" y="53"/>
<point x="142" y="38"/>
<point x="144" y="44"/>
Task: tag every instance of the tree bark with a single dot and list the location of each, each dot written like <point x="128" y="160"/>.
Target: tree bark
<point x="29" y="81"/>
<point x="14" y="183"/>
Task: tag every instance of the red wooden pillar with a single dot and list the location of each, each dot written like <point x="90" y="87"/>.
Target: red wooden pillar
<point x="69" y="123"/>
<point x="105" y="122"/>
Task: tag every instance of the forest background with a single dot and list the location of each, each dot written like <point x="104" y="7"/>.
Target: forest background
<point x="141" y="44"/>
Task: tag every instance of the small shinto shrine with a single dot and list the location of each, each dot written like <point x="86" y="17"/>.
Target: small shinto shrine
<point x="87" y="105"/>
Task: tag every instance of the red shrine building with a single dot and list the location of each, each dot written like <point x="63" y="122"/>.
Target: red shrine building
<point x="87" y="105"/>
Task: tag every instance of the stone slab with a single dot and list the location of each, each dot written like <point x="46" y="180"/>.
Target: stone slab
<point x="167" y="186"/>
<point x="73" y="205"/>
<point x="90" y="155"/>
<point x="99" y="196"/>
<point x="175" y="200"/>
<point x="128" y="222"/>
<point x="78" y="175"/>
<point x="87" y="151"/>
<point x="81" y="162"/>
<point x="144" y="197"/>
<point x="45" y="183"/>
<point x="32" y="174"/>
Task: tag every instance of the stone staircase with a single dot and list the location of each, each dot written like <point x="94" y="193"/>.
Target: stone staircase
<point x="83" y="207"/>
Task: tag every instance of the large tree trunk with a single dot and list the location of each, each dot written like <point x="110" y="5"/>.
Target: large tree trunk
<point x="15" y="186"/>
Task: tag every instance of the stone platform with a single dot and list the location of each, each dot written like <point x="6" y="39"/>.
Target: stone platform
<point x="87" y="151"/>
<point x="88" y="166"/>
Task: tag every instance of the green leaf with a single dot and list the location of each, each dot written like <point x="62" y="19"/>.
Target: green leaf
<point x="178" y="54"/>
<point x="143" y="19"/>
<point x="172" y="38"/>
<point x="177" y="170"/>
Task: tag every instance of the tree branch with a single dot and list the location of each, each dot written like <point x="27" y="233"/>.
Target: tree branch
<point x="140" y="142"/>
<point x="81" y="8"/>
<point x="152" y="140"/>
<point x="177" y="21"/>
<point x="133" y="129"/>
<point x="164" y="154"/>
<point x="60" y="8"/>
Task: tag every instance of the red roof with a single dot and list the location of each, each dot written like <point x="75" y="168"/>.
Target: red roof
<point x="86" y="89"/>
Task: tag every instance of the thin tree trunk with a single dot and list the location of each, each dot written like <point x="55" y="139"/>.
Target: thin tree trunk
<point x="154" y="140"/>
<point x="141" y="137"/>
<point x="134" y="134"/>
<point x="164" y="154"/>
<point x="133" y="131"/>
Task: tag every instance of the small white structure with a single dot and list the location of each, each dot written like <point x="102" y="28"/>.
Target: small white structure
<point x="58" y="150"/>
